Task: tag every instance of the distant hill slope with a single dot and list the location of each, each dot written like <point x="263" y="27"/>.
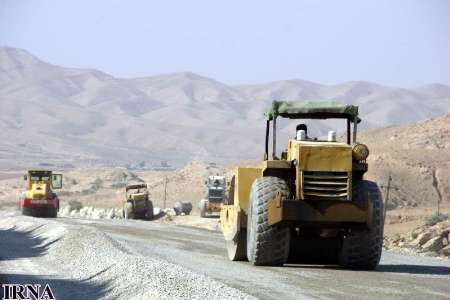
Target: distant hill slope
<point x="82" y="116"/>
<point x="417" y="157"/>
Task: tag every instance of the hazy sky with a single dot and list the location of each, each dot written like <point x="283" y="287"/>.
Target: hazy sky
<point x="399" y="43"/>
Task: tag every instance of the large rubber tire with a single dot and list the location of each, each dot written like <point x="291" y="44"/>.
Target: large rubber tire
<point x="266" y="245"/>
<point x="203" y="206"/>
<point x="361" y="249"/>
<point x="128" y="211"/>
<point x="52" y="213"/>
<point x="230" y="198"/>
<point x="182" y="208"/>
<point x="26" y="211"/>
<point x="35" y="212"/>
<point x="237" y="248"/>
<point x="149" y="213"/>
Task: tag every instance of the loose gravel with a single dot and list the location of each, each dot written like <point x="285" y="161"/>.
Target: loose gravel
<point x="82" y="254"/>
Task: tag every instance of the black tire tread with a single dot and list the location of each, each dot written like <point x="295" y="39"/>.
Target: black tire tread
<point x="267" y="245"/>
<point x="203" y="205"/>
<point x="237" y="249"/>
<point x="128" y="211"/>
<point x="149" y="214"/>
<point x="361" y="249"/>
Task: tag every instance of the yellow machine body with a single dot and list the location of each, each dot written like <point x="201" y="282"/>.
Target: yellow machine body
<point x="138" y="195"/>
<point x="311" y="203"/>
<point x="307" y="159"/>
<point x="319" y="157"/>
<point x="39" y="184"/>
<point x="38" y="190"/>
<point x="39" y="200"/>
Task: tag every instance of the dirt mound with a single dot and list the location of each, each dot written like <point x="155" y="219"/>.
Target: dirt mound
<point x="81" y="262"/>
<point x="184" y="185"/>
<point x="97" y="187"/>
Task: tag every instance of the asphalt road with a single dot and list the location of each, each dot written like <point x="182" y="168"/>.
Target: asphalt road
<point x="399" y="276"/>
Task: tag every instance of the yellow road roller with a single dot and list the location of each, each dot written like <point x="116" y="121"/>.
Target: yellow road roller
<point x="308" y="203"/>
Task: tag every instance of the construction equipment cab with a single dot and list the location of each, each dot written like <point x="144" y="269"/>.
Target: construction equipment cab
<point x="39" y="200"/>
<point x="137" y="204"/>
<point x="309" y="203"/>
<point x="216" y="188"/>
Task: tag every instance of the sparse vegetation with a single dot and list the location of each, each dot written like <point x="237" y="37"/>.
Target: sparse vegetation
<point x="435" y="218"/>
<point x="97" y="184"/>
<point x="75" y="205"/>
<point x="118" y="185"/>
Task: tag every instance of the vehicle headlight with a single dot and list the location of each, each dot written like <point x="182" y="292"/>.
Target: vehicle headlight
<point x="360" y="151"/>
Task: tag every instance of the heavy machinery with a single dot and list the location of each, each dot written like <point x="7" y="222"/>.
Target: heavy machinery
<point x="182" y="208"/>
<point x="137" y="204"/>
<point x="312" y="204"/>
<point x="39" y="200"/>
<point x="216" y="187"/>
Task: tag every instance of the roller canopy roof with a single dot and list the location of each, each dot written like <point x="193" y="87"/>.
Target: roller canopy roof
<point x="312" y="110"/>
<point x="136" y="186"/>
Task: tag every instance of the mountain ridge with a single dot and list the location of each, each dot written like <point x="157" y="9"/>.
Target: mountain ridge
<point x="86" y="116"/>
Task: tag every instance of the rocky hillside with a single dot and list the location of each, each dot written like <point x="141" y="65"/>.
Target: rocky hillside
<point x="429" y="239"/>
<point x="416" y="156"/>
<point x="418" y="159"/>
<point x="84" y="117"/>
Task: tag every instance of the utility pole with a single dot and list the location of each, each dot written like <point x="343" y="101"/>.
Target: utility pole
<point x="438" y="192"/>
<point x="387" y="195"/>
<point x="388" y="187"/>
<point x="165" y="192"/>
<point x="438" y="204"/>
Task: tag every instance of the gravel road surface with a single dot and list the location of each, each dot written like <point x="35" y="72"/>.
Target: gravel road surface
<point x="90" y="259"/>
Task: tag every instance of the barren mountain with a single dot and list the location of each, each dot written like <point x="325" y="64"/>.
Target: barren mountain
<point x="51" y="114"/>
<point x="417" y="157"/>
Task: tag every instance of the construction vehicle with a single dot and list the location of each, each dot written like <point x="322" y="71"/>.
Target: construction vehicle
<point x="137" y="204"/>
<point x="216" y="187"/>
<point x="39" y="200"/>
<point x="311" y="204"/>
<point x="182" y="208"/>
